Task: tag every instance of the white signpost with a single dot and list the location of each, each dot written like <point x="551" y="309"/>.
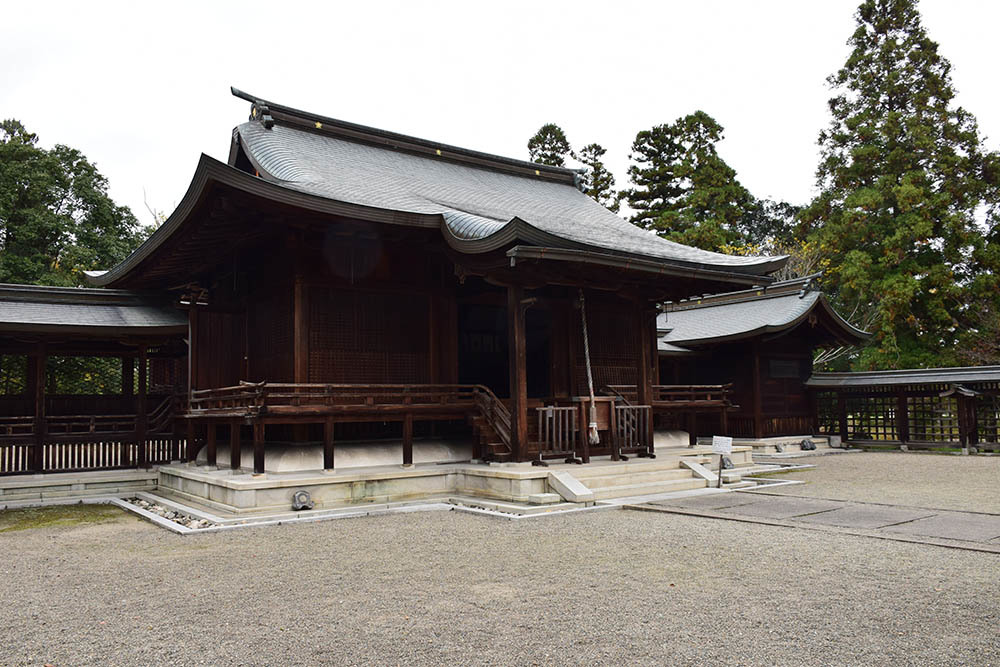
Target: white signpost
<point x="721" y="445"/>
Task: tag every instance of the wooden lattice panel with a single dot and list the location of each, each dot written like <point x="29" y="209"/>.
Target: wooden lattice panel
<point x="871" y="418"/>
<point x="371" y="337"/>
<point x="613" y="346"/>
<point x="988" y="418"/>
<point x="933" y="419"/>
<point x="270" y="337"/>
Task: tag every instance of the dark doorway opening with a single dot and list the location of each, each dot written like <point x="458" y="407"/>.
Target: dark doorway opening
<point x="483" y="349"/>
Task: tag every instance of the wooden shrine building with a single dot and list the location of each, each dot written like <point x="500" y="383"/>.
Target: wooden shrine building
<point x="761" y="343"/>
<point x="335" y="282"/>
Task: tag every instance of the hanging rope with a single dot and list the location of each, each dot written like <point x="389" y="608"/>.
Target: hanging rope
<point x="592" y="436"/>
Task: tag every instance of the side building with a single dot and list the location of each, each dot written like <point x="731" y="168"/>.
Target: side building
<point x="762" y="342"/>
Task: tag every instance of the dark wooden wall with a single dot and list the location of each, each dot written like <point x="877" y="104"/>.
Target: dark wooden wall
<point x="779" y="374"/>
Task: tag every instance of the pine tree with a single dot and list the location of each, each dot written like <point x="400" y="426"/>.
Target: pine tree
<point x="683" y="189"/>
<point x="902" y="179"/>
<point x="549" y="146"/>
<point x="598" y="182"/>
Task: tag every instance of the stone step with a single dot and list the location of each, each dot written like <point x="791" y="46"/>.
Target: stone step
<point x="631" y="466"/>
<point x="626" y="477"/>
<point x="649" y="488"/>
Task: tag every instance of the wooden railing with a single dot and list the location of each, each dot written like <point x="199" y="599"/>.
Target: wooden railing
<point x="72" y="443"/>
<point x="558" y="430"/>
<point x="251" y="399"/>
<point x="632" y="426"/>
<point x="680" y="395"/>
<point x="494" y="411"/>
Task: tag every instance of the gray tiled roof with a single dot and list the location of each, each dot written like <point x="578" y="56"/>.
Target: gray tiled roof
<point x="482" y="208"/>
<point x="916" y="376"/>
<point x="102" y="312"/>
<point x="747" y="313"/>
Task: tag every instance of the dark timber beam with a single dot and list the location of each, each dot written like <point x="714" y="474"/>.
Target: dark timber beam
<point x="328" y="450"/>
<point x="517" y="359"/>
<point x="258" y="448"/>
<point x="140" y="406"/>
<point x="646" y="331"/>
<point x="758" y="413"/>
<point x="235" y="454"/>
<point x="210" y="449"/>
<point x="38" y="382"/>
<point x="408" y="439"/>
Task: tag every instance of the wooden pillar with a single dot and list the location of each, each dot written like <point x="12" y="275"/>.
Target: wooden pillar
<point x="517" y="359"/>
<point x="692" y="428"/>
<point x="758" y="413"/>
<point x="300" y="346"/>
<point x="963" y="421"/>
<point x="235" y="453"/>
<point x="210" y="450"/>
<point x="902" y="418"/>
<point x="301" y="338"/>
<point x="141" y="408"/>
<point x="128" y="376"/>
<point x="38" y="381"/>
<point x="646" y="328"/>
<point x="813" y="411"/>
<point x="258" y="448"/>
<point x="192" y="439"/>
<point x="723" y="421"/>
<point x="842" y="417"/>
<point x="408" y="439"/>
<point x="328" y="451"/>
<point x="192" y="348"/>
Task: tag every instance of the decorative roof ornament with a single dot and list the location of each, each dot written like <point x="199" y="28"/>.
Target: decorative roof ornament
<point x="259" y="111"/>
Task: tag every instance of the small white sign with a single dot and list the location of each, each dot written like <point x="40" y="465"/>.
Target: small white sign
<point x="722" y="444"/>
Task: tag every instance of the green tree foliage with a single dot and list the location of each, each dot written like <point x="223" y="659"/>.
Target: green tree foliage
<point x="597" y="181"/>
<point x="902" y="180"/>
<point x="549" y="146"/>
<point x="683" y="189"/>
<point x="56" y="218"/>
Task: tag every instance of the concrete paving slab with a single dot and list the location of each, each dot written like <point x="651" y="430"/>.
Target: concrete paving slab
<point x="953" y="526"/>
<point x="866" y="516"/>
<point x="712" y="501"/>
<point x="782" y="507"/>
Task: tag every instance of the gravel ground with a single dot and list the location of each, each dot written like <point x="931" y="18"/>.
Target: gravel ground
<point x="938" y="481"/>
<point x="451" y="588"/>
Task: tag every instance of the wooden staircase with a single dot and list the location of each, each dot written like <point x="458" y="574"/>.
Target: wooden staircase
<point x="490" y="444"/>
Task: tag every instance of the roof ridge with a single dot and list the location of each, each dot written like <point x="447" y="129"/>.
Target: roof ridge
<point x="801" y="285"/>
<point x="264" y="111"/>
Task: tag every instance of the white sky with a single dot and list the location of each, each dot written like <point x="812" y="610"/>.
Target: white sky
<point x="143" y="88"/>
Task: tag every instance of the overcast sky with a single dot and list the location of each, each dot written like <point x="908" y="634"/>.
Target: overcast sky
<point x="143" y="88"/>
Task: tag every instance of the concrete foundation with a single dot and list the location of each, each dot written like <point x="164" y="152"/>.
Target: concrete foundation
<point x="301" y="458"/>
<point x="24" y="489"/>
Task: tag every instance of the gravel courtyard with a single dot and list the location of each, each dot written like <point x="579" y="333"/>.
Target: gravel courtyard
<point x="451" y="588"/>
<point x="938" y="481"/>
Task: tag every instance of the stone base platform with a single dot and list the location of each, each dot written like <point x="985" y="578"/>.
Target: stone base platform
<point x="786" y="444"/>
<point x="241" y="493"/>
<point x="18" y="490"/>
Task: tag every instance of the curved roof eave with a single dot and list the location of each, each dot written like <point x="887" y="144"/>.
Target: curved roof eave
<point x="519" y="230"/>
<point x="210" y="170"/>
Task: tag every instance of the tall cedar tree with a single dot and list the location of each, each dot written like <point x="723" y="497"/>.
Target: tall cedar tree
<point x="597" y="181"/>
<point x="683" y="189"/>
<point x="902" y="177"/>
<point x="56" y="218"/>
<point x="549" y="146"/>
